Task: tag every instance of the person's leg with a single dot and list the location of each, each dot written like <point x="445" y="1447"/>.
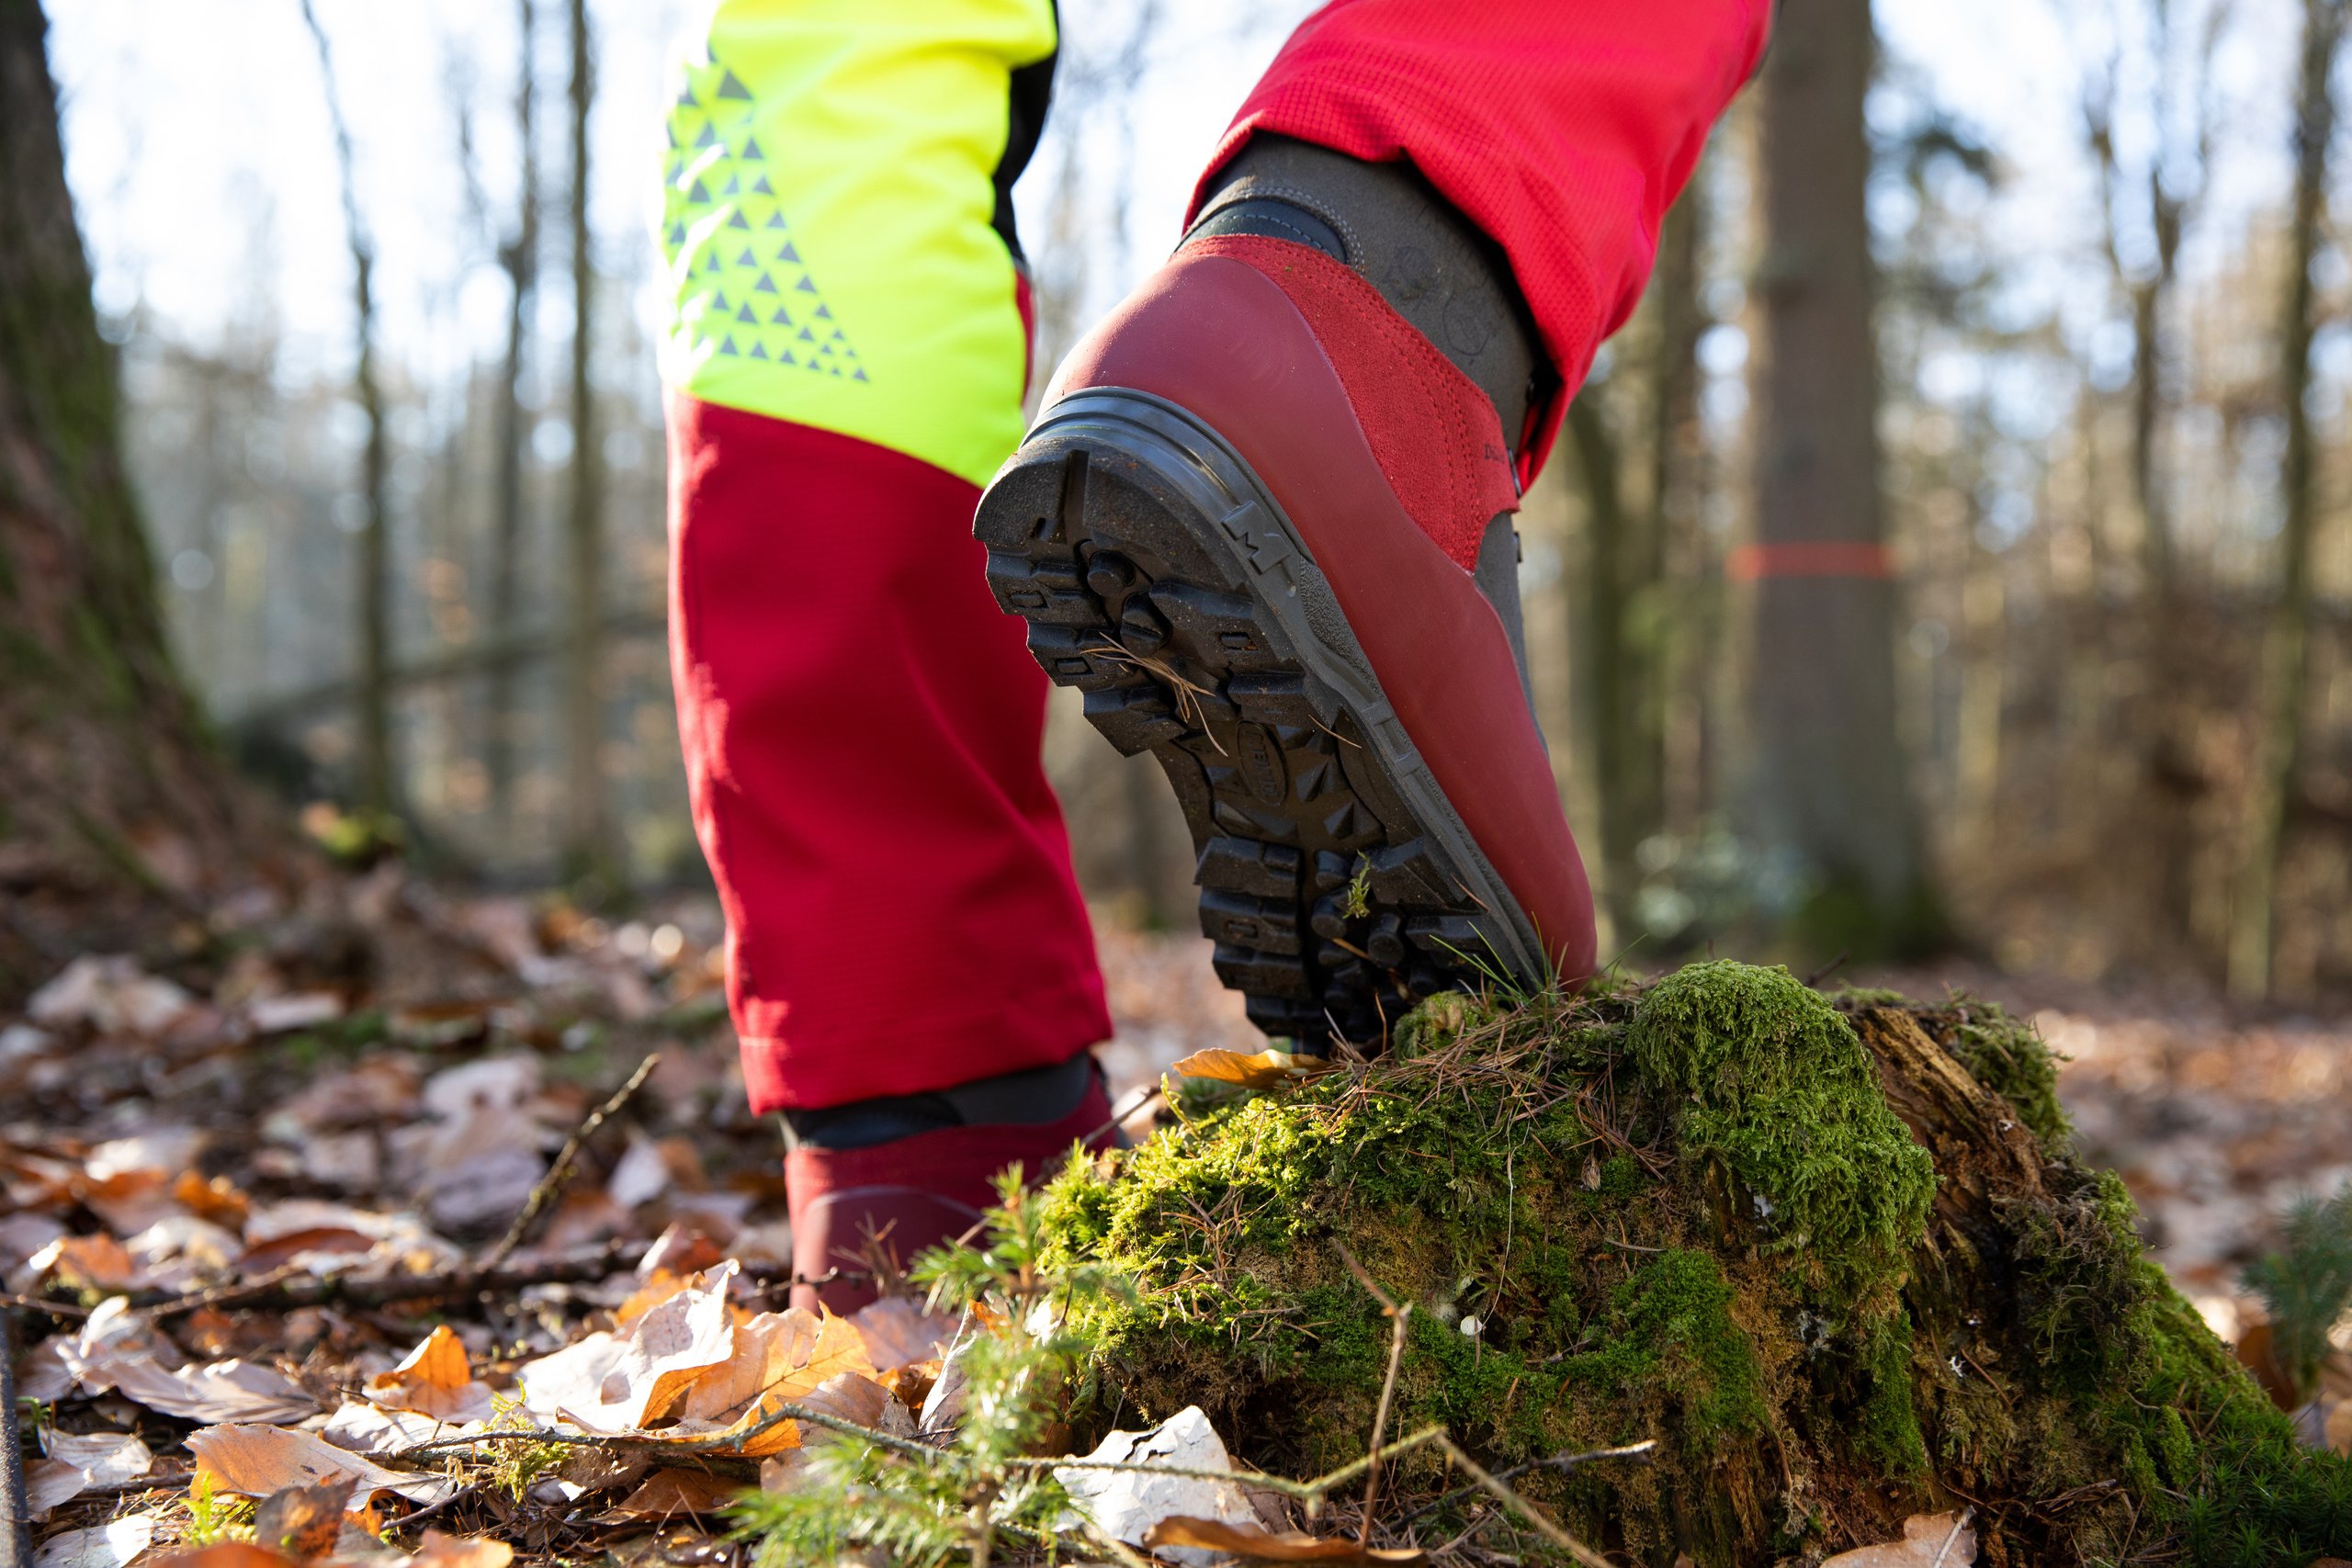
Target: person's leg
<point x="1277" y="481"/>
<point x="911" y="967"/>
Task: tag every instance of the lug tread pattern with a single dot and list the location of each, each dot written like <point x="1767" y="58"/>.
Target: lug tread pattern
<point x="1331" y="907"/>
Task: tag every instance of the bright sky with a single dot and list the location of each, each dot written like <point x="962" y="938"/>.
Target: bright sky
<point x="198" y="144"/>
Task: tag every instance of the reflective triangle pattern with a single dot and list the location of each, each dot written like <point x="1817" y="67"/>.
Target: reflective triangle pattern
<point x="716" y="192"/>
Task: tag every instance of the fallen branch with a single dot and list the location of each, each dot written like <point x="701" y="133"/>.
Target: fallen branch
<point x="559" y="1172"/>
<point x="287" y="1287"/>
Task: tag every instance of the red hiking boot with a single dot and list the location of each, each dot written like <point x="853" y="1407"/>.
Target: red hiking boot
<point x="1246" y="526"/>
<point x="898" y="1176"/>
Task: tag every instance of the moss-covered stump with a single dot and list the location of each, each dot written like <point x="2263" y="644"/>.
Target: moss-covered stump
<point x="1834" y="1252"/>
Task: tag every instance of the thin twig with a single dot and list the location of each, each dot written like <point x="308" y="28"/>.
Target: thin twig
<point x="1524" y="1509"/>
<point x="1436" y="1434"/>
<point x="560" y="1171"/>
<point x="1957" y="1525"/>
<point x="236" y="1294"/>
<point x="1641" y="1451"/>
<point x="1399" y="1317"/>
<point x="12" y="1302"/>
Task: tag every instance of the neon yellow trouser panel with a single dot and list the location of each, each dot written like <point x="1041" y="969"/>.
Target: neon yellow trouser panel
<point x="826" y="217"/>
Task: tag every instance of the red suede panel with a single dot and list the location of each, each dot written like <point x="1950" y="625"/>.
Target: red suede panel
<point x="861" y="729"/>
<point x="925" y="1188"/>
<point x="1433" y="431"/>
<point x="1562" y="131"/>
<point x="1221" y="339"/>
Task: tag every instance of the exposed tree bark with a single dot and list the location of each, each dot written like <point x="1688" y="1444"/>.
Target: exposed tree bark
<point x="519" y="256"/>
<point x="1830" y="801"/>
<point x="373" y="779"/>
<point x="116" y="813"/>
<point x="2285" y="654"/>
<point x="587" y="837"/>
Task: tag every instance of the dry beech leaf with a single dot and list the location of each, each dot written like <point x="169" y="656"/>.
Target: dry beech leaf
<point x="619" y="1382"/>
<point x="433" y="1381"/>
<point x="1126" y="1503"/>
<point x="673" y="1494"/>
<point x="304" y="1521"/>
<point x="221" y="1392"/>
<point x="900" y="1333"/>
<point x="255" y="1461"/>
<point x="77" y="1462"/>
<point x="1263" y="1070"/>
<point x="216" y="1200"/>
<point x="225" y="1554"/>
<point x="1930" y="1541"/>
<point x="98" y="1261"/>
<point x="438" y="1550"/>
<point x="110" y="1545"/>
<point x="778" y="1355"/>
<point x="1248" y="1540"/>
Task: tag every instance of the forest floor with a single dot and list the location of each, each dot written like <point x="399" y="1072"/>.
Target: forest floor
<point x="293" y="1167"/>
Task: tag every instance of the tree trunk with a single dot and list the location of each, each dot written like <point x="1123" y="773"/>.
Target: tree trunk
<point x="2285" y="654"/>
<point x="520" y="258"/>
<point x="1829" y="802"/>
<point x="373" y="779"/>
<point x="1679" y="651"/>
<point x="116" y="816"/>
<point x="1611" y="672"/>
<point x="587" y="838"/>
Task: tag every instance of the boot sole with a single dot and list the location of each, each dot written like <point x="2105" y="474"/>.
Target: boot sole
<point x="1160" y="578"/>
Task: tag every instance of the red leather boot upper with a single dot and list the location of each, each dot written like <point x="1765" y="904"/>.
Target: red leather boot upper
<point x="1390" y="463"/>
<point x="912" y="1193"/>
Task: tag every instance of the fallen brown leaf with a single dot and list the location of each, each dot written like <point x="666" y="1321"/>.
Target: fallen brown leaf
<point x="1263" y="1070"/>
<point x="110" y="1545"/>
<point x="216" y="1200"/>
<point x="619" y="1383"/>
<point x="255" y="1461"/>
<point x="1930" y="1541"/>
<point x="221" y="1392"/>
<point x="669" y="1493"/>
<point x="303" y="1521"/>
<point x="76" y="1463"/>
<point x="224" y="1554"/>
<point x="433" y="1381"/>
<point x="97" y="1262"/>
<point x="900" y="1333"/>
<point x="438" y="1550"/>
<point x="1290" y="1546"/>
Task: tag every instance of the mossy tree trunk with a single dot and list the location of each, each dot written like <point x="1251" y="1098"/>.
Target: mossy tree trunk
<point x="115" y="812"/>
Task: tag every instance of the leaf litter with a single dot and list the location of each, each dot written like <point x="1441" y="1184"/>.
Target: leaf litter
<point x="236" y="1181"/>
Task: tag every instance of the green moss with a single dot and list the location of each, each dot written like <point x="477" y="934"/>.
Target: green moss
<point x="2008" y="1056"/>
<point x="1580" y="1179"/>
<point x="1775" y="1084"/>
<point x="1889" y="1434"/>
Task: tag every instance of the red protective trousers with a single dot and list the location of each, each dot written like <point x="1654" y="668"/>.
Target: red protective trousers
<point x="861" y="724"/>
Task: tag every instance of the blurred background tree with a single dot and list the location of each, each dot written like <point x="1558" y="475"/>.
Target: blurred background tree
<point x="1951" y="551"/>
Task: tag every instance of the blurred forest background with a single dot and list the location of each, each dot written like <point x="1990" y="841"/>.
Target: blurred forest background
<point x="1953" y="549"/>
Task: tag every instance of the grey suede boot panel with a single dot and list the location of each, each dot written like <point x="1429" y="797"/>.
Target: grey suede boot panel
<point x="1497" y="577"/>
<point x="1438" y="272"/>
